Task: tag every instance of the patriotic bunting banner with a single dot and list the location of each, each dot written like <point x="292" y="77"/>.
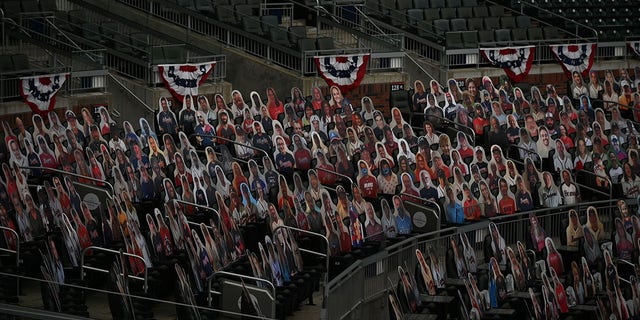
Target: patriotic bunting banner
<point x="635" y="47"/>
<point x="39" y="92"/>
<point x="515" y="61"/>
<point x="345" y="72"/>
<point x="184" y="79"/>
<point x="575" y="57"/>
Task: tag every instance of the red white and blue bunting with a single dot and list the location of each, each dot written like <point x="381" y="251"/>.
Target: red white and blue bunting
<point x="184" y="79"/>
<point x="575" y="57"/>
<point x="515" y="61"/>
<point x="345" y="72"/>
<point x="635" y="47"/>
<point x="39" y="92"/>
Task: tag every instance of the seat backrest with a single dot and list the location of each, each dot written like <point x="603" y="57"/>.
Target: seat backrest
<point x="485" y="36"/>
<point x="480" y="11"/>
<point x="454" y="3"/>
<point x="279" y="36"/>
<point x="465" y="12"/>
<point x="496" y="11"/>
<point x="535" y="34"/>
<point x="503" y="35"/>
<point x="491" y="23"/>
<point x="470" y="3"/>
<point x="420" y="4"/>
<point x="470" y="39"/>
<point x="454" y="40"/>
<point x="307" y="44"/>
<point x="415" y="15"/>
<point x="447" y="13"/>
<point x="48" y="6"/>
<point x="30" y="6"/>
<point x="475" y="24"/>
<point x="431" y="14"/>
<point x="458" y="24"/>
<point x="519" y="34"/>
<point x="404" y="4"/>
<point x="441" y="26"/>
<point x="325" y="43"/>
<point x="269" y="22"/>
<point x="507" y="22"/>
<point x="523" y="21"/>
<point x="6" y="64"/>
<point x="437" y="3"/>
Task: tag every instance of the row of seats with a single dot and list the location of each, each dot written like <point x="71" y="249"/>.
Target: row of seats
<point x="491" y="23"/>
<point x="585" y="3"/>
<point x="424" y="4"/>
<point x="470" y="39"/>
<point x="13" y="7"/>
<point x="209" y="6"/>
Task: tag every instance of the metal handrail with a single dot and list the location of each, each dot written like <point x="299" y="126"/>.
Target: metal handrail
<point x="335" y="173"/>
<point x="470" y="139"/>
<point x="327" y="255"/>
<point x="406" y="54"/>
<point x="213" y="136"/>
<point x="198" y="206"/>
<point x="126" y="89"/>
<point x="391" y="40"/>
<point x="241" y="276"/>
<point x="529" y="152"/>
<point x="122" y="255"/>
<point x="64" y="34"/>
<point x="44" y="169"/>
<point x="597" y="176"/>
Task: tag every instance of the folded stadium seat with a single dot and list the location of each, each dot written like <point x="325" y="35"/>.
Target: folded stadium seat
<point x="415" y="15"/>
<point x="372" y="7"/>
<point x="431" y="15"/>
<point x="6" y="64"/>
<point x="252" y="25"/>
<point x="398" y="18"/>
<point x="519" y="34"/>
<point x="48" y="6"/>
<point x="325" y="43"/>
<point x="481" y="12"/>
<point x="280" y="36"/>
<point x="437" y="4"/>
<point x="254" y="4"/>
<point x="491" y="23"/>
<point x="470" y="39"/>
<point x="485" y="36"/>
<point x="420" y="4"/>
<point x="269" y="22"/>
<point x="204" y="6"/>
<point x="189" y="4"/>
<point x="507" y="22"/>
<point x="454" y="3"/>
<point x="458" y="25"/>
<point x="551" y="33"/>
<point x="465" y="12"/>
<point x="307" y="44"/>
<point x="174" y="54"/>
<point x="475" y="24"/>
<point x="496" y="11"/>
<point x="20" y="62"/>
<point x="387" y="6"/>
<point x="297" y="32"/>
<point x="225" y="14"/>
<point x="245" y="10"/>
<point x="470" y="3"/>
<point x="425" y="29"/>
<point x="523" y="21"/>
<point x="404" y="4"/>
<point x="534" y="34"/>
<point x="454" y="40"/>
<point x="441" y="26"/>
<point x="447" y="13"/>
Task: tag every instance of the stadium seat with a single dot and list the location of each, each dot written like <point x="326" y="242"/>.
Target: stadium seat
<point x="217" y="3"/>
<point x="454" y="40"/>
<point x="297" y="32"/>
<point x="139" y="40"/>
<point x="470" y="39"/>
<point x="470" y="3"/>
<point x="475" y="24"/>
<point x="122" y="43"/>
<point x="551" y="33"/>
<point x="6" y="64"/>
<point x="189" y="4"/>
<point x="519" y="34"/>
<point x="91" y="32"/>
<point x="225" y="14"/>
<point x="458" y="25"/>
<point x="491" y="23"/>
<point x="503" y="36"/>
<point x="485" y="36"/>
<point x="398" y="18"/>
<point x="205" y="6"/>
<point x="507" y="22"/>
<point x="307" y="44"/>
<point x="252" y="25"/>
<point x="325" y="43"/>
<point x="441" y="26"/>
<point x="404" y="4"/>
<point x="523" y="21"/>
<point x="496" y="11"/>
<point x="430" y="15"/>
<point x="30" y="6"/>
<point x="437" y="4"/>
<point x="372" y="7"/>
<point x="420" y="4"/>
<point x="387" y="6"/>
<point x="535" y="34"/>
<point x="157" y="55"/>
<point x="415" y="15"/>
<point x="480" y="12"/>
<point x="454" y="3"/>
<point x="465" y="12"/>
<point x="425" y="29"/>
<point x="245" y="10"/>
<point x="269" y="22"/>
<point x="447" y="13"/>
<point x="109" y="29"/>
<point x="279" y="36"/>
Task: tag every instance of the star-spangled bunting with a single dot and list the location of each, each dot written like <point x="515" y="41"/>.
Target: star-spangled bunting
<point x="635" y="47"/>
<point x="344" y="71"/>
<point x="515" y="61"/>
<point x="39" y="92"/>
<point x="183" y="79"/>
<point x="575" y="57"/>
